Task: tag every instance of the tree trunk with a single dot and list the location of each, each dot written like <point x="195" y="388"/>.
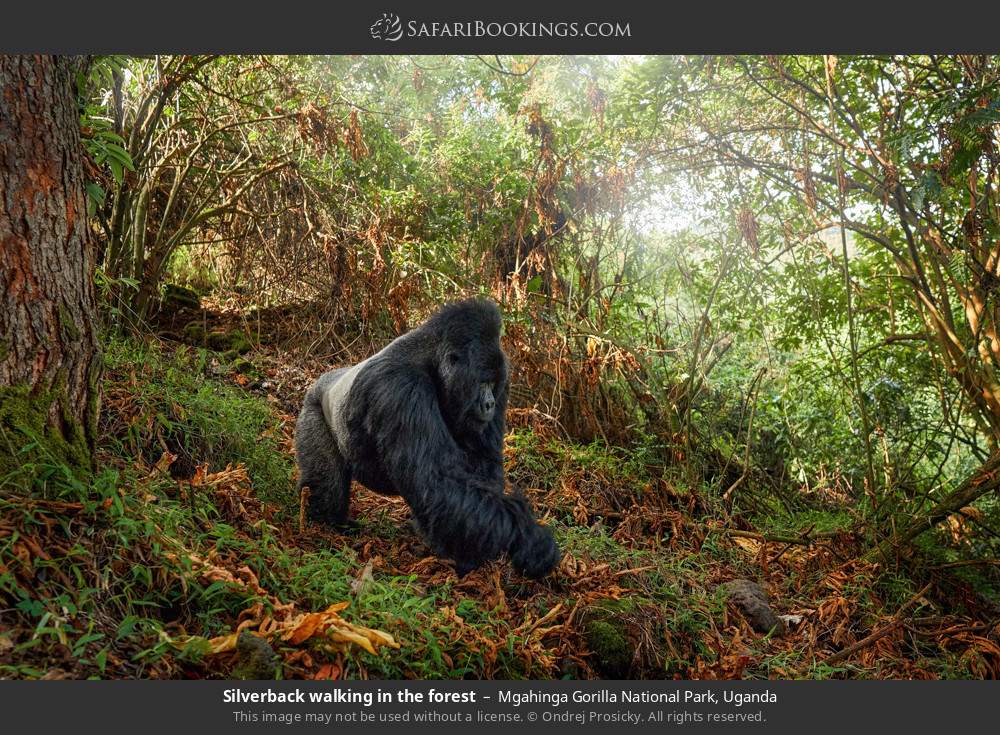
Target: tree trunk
<point x="49" y="357"/>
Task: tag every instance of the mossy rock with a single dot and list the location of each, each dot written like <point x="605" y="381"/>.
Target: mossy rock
<point x="194" y="333"/>
<point x="243" y="366"/>
<point x="255" y="660"/>
<point x="177" y="297"/>
<point x="607" y="632"/>
<point x="233" y="343"/>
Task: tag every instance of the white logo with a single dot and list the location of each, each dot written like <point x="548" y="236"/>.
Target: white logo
<point x="387" y="28"/>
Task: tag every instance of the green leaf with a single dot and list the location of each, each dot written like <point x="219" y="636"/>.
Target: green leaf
<point x="116" y="169"/>
<point x="117" y="153"/>
<point x="126" y="627"/>
<point x="96" y="193"/>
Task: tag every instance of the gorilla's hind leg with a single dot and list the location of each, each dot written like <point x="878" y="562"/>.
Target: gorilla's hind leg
<point x="321" y="468"/>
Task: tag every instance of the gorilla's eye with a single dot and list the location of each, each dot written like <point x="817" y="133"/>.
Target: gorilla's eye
<point x="453" y="358"/>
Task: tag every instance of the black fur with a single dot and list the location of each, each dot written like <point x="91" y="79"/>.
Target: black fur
<point x="424" y="419"/>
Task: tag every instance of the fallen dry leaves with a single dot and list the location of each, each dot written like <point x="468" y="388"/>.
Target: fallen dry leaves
<point x="334" y="633"/>
<point x="281" y="621"/>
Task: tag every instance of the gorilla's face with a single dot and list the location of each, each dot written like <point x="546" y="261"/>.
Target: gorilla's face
<point x="473" y="376"/>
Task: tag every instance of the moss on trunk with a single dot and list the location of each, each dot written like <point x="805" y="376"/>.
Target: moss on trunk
<point x="38" y="430"/>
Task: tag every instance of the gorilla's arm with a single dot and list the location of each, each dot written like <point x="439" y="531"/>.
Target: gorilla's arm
<point x="463" y="515"/>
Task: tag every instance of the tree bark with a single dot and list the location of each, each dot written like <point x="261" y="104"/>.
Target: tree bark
<point x="49" y="355"/>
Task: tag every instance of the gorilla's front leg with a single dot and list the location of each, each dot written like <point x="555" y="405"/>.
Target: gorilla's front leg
<point x="330" y="497"/>
<point x="474" y="524"/>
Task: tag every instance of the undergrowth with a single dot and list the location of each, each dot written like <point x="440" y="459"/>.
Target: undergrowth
<point x="172" y="400"/>
<point x="189" y="529"/>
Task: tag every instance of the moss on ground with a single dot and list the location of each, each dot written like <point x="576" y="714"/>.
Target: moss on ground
<point x="232" y="342"/>
<point x="607" y="637"/>
<point x="177" y="297"/>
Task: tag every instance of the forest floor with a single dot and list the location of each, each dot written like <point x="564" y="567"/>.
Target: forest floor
<point x="192" y="531"/>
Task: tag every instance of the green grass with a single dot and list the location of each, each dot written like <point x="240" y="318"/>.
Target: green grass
<point x="175" y="404"/>
<point x="819" y="520"/>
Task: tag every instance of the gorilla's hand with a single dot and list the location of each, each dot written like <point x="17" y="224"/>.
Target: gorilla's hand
<point x="537" y="554"/>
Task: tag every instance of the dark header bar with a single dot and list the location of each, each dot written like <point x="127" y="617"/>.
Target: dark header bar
<point x="516" y="26"/>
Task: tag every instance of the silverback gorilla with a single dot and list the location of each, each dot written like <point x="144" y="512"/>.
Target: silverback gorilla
<point x="424" y="419"/>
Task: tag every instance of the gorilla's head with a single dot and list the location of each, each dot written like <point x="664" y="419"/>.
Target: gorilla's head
<point x="471" y="366"/>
